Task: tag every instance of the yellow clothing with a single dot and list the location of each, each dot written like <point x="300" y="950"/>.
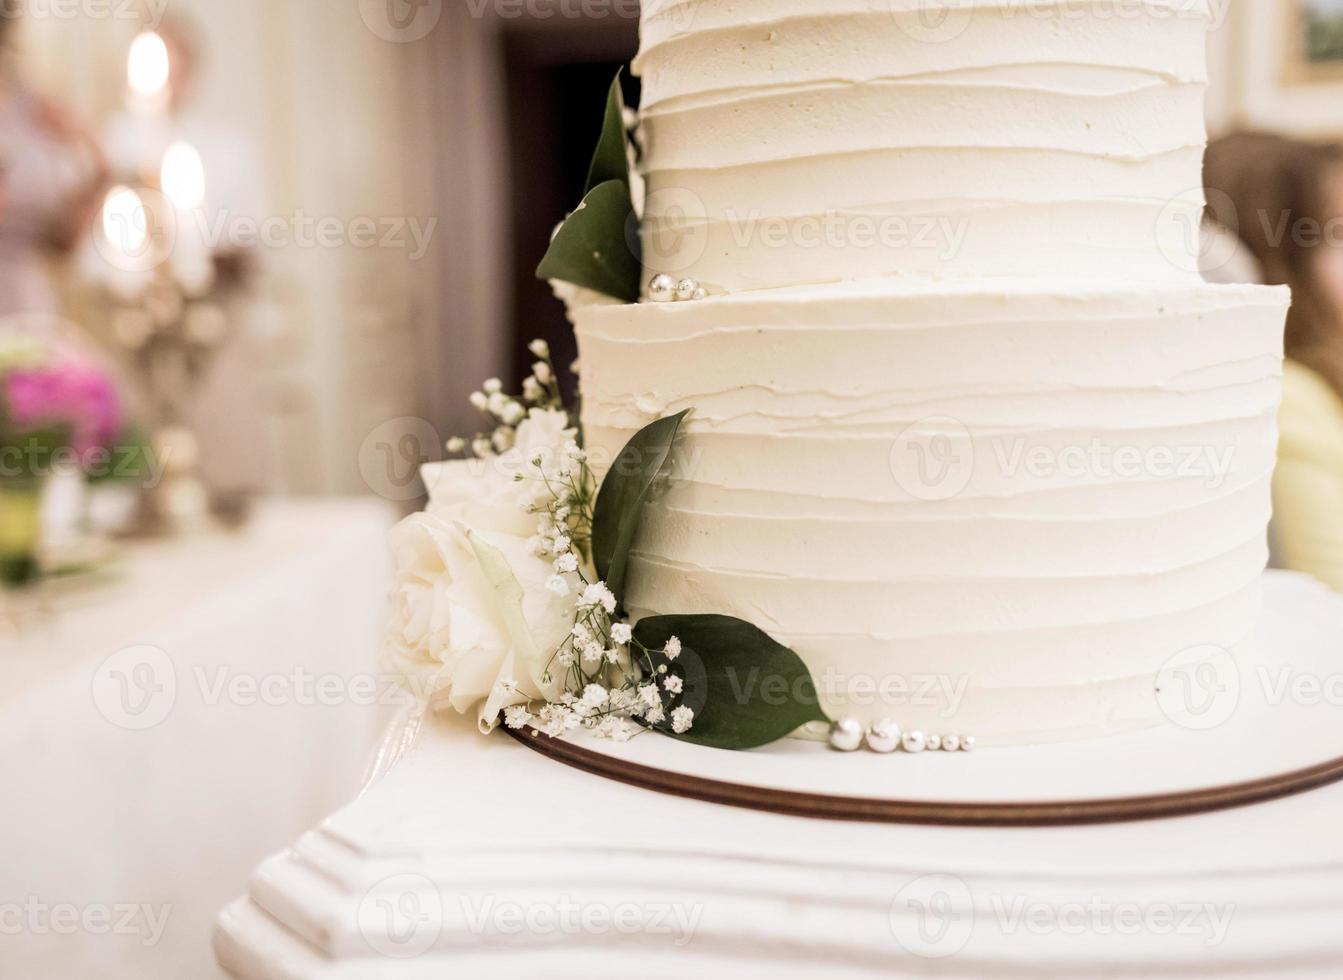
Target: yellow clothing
<point x="1308" y="484"/>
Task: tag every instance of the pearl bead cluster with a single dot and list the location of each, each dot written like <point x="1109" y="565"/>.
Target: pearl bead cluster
<point x="884" y="736"/>
<point x="664" y="289"/>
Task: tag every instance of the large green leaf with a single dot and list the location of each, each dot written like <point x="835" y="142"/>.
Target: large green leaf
<point x="593" y="248"/>
<point x="610" y="161"/>
<point x="620" y="502"/>
<point x="746" y="690"/>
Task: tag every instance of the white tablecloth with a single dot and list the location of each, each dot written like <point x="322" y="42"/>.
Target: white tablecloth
<point x="164" y="730"/>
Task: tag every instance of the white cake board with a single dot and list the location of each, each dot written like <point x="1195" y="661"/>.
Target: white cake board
<point x="1268" y="726"/>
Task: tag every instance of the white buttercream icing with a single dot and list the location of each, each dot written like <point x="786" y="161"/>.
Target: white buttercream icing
<point x="969" y="433"/>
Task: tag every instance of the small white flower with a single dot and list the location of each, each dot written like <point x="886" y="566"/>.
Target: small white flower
<point x="682" y="720"/>
<point x="493" y="386"/>
<point x="562" y="543"/>
<point x="655" y="716"/>
<point x="505" y="686"/>
<point x="565" y="658"/>
<point x="572" y="450"/>
<point x="495" y="403"/>
<point x="613" y="656"/>
<point x="620" y="700"/>
<point x="621" y="633"/>
<point x="456" y="444"/>
<point x="513" y="413"/>
<point x="619" y="730"/>
<point x="567" y="562"/>
<point x="541" y="371"/>
<point x="673" y="648"/>
<point x="517" y="716"/>
<point x="532" y="390"/>
<point x="597" y="594"/>
<point x="538" y="547"/>
<point x="539" y="348"/>
<point x="648" y="694"/>
<point x="557" y="585"/>
<point x="562" y="513"/>
<point x="592" y="652"/>
<point x="581" y="633"/>
<point x="672" y="684"/>
<point x="595" y="696"/>
<point x="502" y="440"/>
<point x="478" y="400"/>
<point x="482" y="447"/>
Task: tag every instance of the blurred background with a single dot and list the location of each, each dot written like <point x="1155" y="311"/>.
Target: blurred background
<point x="254" y="256"/>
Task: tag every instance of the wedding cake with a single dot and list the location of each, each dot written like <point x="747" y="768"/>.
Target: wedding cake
<point x="969" y="432"/>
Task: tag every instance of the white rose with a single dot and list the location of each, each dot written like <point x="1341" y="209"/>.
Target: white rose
<point x="470" y="603"/>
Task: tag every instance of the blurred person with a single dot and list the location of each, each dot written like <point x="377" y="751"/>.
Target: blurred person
<point x="1283" y="198"/>
<point x="52" y="179"/>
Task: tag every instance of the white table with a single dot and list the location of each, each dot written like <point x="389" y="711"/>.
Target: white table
<point x="163" y="730"/>
<point x="475" y="856"/>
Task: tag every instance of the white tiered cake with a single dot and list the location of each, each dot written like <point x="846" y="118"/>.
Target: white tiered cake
<point x="969" y="431"/>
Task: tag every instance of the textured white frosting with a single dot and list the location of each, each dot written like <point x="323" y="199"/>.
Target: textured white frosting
<point x="787" y="142"/>
<point x="988" y="481"/>
<point x="1047" y="593"/>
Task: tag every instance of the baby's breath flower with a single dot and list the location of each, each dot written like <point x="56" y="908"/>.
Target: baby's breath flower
<point x="673" y="648"/>
<point x="562" y="543"/>
<point x="621" y="633"/>
<point x="538" y="546"/>
<point x="456" y="444"/>
<point x="672" y="684"/>
<point x="595" y="695"/>
<point x="539" y="348"/>
<point x="495" y="403"/>
<point x="613" y="656"/>
<point x="513" y="413"/>
<point x="655" y="715"/>
<point x="567" y="562"/>
<point x="542" y="372"/>
<point x="532" y="391"/>
<point x="592" y="652"/>
<point x="482" y="447"/>
<point x="517" y="716"/>
<point x="557" y="585"/>
<point x="648" y="694"/>
<point x="597" y="594"/>
<point x="581" y="632"/>
<point x="502" y="440"/>
<point x="493" y="386"/>
<point x="478" y="400"/>
<point x="565" y="658"/>
<point x="682" y="720"/>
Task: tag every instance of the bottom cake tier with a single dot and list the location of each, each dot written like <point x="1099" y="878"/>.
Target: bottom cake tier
<point x="1023" y="510"/>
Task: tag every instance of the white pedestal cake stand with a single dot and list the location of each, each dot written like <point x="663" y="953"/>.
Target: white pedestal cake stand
<point x="473" y="854"/>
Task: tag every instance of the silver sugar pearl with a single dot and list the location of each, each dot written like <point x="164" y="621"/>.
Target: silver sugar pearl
<point x="913" y="741"/>
<point x="685" y="289"/>
<point x="662" y="288"/>
<point x="967" y="743"/>
<point x="700" y="293"/>
<point x="934" y="743"/>
<point x="883" y="736"/>
<point x="951" y="743"/>
<point x="846" y="734"/>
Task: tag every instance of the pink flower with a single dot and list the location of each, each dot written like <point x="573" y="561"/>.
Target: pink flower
<point x="69" y="393"/>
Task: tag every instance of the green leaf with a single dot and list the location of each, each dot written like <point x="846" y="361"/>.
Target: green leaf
<point x="620" y="502"/>
<point x="594" y="248"/>
<point x="610" y="161"/>
<point x="746" y="690"/>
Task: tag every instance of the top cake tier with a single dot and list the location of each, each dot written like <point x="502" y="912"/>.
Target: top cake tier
<point x="788" y="142"/>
